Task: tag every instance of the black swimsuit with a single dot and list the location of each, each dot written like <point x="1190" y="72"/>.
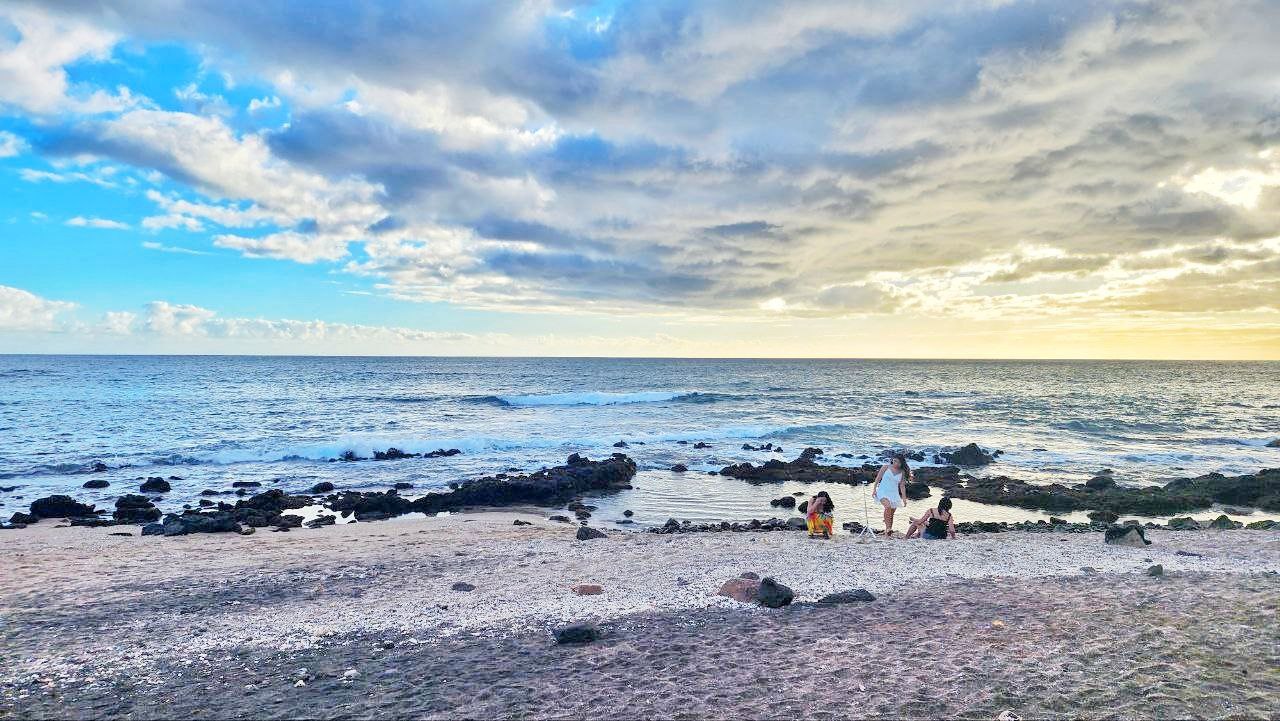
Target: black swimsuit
<point x="936" y="527"/>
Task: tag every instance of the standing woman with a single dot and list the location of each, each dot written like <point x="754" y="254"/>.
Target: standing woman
<point x="891" y="489"/>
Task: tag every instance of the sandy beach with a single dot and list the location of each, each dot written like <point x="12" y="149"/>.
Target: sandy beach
<point x="364" y="620"/>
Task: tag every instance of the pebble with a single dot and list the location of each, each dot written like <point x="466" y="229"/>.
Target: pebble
<point x="300" y="684"/>
<point x="350" y="673"/>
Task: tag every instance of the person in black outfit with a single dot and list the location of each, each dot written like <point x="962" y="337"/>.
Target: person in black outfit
<point x="936" y="525"/>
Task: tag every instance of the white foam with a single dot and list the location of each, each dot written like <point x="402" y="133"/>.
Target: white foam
<point x="592" y="398"/>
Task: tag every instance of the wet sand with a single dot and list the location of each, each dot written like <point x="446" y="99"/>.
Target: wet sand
<point x="222" y="626"/>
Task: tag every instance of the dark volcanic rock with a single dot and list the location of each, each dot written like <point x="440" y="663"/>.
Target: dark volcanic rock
<point x="98" y="467"/>
<point x="1224" y="523"/>
<point x="547" y="487"/>
<point x="802" y="469"/>
<point x="246" y="484"/>
<point x="463" y="586"/>
<point x="322" y="487"/>
<point x="917" y="490"/>
<point x="153" y="529"/>
<point x="318" y="521"/>
<point x="441" y="453"/>
<point x="785" y="502"/>
<point x="403" y="486"/>
<point x="95" y="484"/>
<point x="1185" y="523"/>
<point x="1274" y="444"/>
<point x="392" y="454"/>
<point x="970" y="455"/>
<point x="519" y="522"/>
<point x="581" y="632"/>
<point x="155" y="484"/>
<point x="219" y="522"/>
<point x="134" y="508"/>
<point x="1126" y="536"/>
<point x="620" y="444"/>
<point x="24" y="519"/>
<point x="858" y="595"/>
<point x="773" y="594"/>
<point x="700" y="444"/>
<point x="1100" y="483"/>
<point x="60" y="507"/>
<point x="1103" y="517"/>
<point x="559" y="519"/>
<point x="586" y="533"/>
<point x="679" y="468"/>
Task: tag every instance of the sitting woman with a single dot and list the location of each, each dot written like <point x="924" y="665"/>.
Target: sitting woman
<point x="936" y="525"/>
<point x="819" y="517"/>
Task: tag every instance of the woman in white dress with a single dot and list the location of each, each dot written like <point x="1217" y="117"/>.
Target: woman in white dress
<point x="890" y="489"/>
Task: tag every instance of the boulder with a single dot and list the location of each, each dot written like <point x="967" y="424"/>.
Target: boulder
<point x="392" y="454"/>
<point x="1156" y="570"/>
<point x="98" y="483"/>
<point x="1274" y="444"/>
<point x="318" y="521"/>
<point x="1224" y="523"/>
<point x="97" y="467"/>
<point x="155" y="484"/>
<point x="463" y="586"/>
<point x="587" y="589"/>
<point x="24" y="519"/>
<point x="580" y="632"/>
<point x="442" y="453"/>
<point x="1100" y="483"/>
<point x="322" y="487"/>
<point x="1103" y="517"/>
<point x="402" y="486"/>
<point x="1185" y="523"/>
<point x="742" y="590"/>
<point x="217" y="522"/>
<point x="1132" y="536"/>
<point x="135" y="508"/>
<point x="519" y="522"/>
<point x="858" y="595"/>
<point x="773" y="594"/>
<point x="1265" y="525"/>
<point x="246" y="484"/>
<point x="796" y="523"/>
<point x="620" y="444"/>
<point x="559" y="519"/>
<point x="586" y="533"/>
<point x="783" y="502"/>
<point x="153" y="529"/>
<point x="60" y="507"/>
<point x="917" y="490"/>
<point x="970" y="455"/>
<point x="679" y="468"/>
<point x="700" y="444"/>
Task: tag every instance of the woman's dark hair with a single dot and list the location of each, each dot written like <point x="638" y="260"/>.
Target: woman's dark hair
<point x="903" y="467"/>
<point x="830" y="505"/>
<point x="945" y="504"/>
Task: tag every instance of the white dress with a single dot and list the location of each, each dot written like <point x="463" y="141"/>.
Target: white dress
<point x="888" y="488"/>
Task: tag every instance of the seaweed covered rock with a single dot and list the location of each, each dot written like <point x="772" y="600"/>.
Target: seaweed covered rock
<point x="60" y="506"/>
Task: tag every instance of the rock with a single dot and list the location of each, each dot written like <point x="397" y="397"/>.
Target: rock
<point x="519" y="522"/>
<point x="1274" y="444"/>
<point x="783" y="502"/>
<point x="620" y="444"/>
<point x="679" y="468"/>
<point x="917" y="490"/>
<point x="742" y="590"/>
<point x="858" y="595"/>
<point x="547" y="487"/>
<point x="1265" y="525"/>
<point x="98" y="467"/>
<point x="803" y="507"/>
<point x="318" y="521"/>
<point x="1100" y="483"/>
<point x="95" y="484"/>
<point x="1103" y="517"/>
<point x="246" y="484"/>
<point x="1156" y="570"/>
<point x="628" y="513"/>
<point x="246" y="530"/>
<point x="1185" y="523"/>
<point x="60" y="507"/>
<point x="970" y="455"/>
<point x="153" y="529"/>
<point x="463" y="586"/>
<point x="1237" y="511"/>
<point x="322" y="487"/>
<point x="581" y="632"/>
<point x="773" y="594"/>
<point x="403" y="486"/>
<point x="559" y="519"/>
<point x="796" y="523"/>
<point x="586" y="533"/>
<point x="1224" y="523"/>
<point x="350" y="674"/>
<point x="392" y="454"/>
<point x="1191" y="554"/>
<point x="217" y="522"/>
<point x="749" y="575"/>
<point x="155" y="485"/>
<point x="700" y="444"/>
<point x="442" y="453"/>
<point x="24" y="519"/>
<point x="1132" y="536"/>
<point x="135" y="508"/>
<point x="587" y="589"/>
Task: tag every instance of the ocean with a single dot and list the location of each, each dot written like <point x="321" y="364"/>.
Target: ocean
<point x="214" y="420"/>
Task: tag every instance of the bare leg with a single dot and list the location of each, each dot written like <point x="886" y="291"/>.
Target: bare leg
<point x="888" y="517"/>
<point x="912" y="528"/>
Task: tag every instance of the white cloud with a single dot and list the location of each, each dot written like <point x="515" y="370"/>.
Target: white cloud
<point x="31" y="175"/>
<point x="257" y="105"/>
<point x="102" y="223"/>
<point x="21" y="310"/>
<point x="11" y="145"/>
<point x="34" y="48"/>
<point x="152" y="245"/>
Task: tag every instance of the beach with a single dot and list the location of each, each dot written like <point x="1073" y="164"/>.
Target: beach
<point x="364" y="620"/>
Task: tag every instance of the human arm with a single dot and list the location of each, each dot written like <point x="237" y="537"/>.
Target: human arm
<point x="951" y="526"/>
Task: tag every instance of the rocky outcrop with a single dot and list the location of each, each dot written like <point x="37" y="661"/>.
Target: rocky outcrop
<point x="322" y="487"/>
<point x="1132" y="536"/>
<point x="547" y="487"/>
<point x="60" y="507"/>
<point x="785" y="502"/>
<point x="858" y="595"/>
<point x="98" y="483"/>
<point x="679" y="468"/>
<point x="970" y="455"/>
<point x="155" y="484"/>
<point x="749" y="589"/>
<point x="587" y="533"/>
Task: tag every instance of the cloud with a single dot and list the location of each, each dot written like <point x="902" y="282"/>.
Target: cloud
<point x="35" y="46"/>
<point x="152" y="245"/>
<point x="257" y="105"/>
<point x="11" y="145"/>
<point x="21" y="310"/>
<point x="101" y="223"/>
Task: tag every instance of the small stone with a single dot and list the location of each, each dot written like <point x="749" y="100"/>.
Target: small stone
<point x="1156" y="570"/>
<point x="587" y="589"/>
<point x="350" y="674"/>
<point x="463" y="586"/>
<point x="679" y="468"/>
<point x="299" y="684"/>
<point x="997" y="624"/>
<point x="628" y="513"/>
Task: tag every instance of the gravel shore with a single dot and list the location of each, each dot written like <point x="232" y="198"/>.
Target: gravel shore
<point x="220" y="626"/>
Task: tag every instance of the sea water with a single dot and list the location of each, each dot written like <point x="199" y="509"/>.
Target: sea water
<point x="214" y="420"/>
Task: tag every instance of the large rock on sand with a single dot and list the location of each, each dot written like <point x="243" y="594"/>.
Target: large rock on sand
<point x="766" y="592"/>
<point x="581" y="632"/>
<point x="135" y="508"/>
<point x="587" y="533"/>
<point x="60" y="507"/>
<point x="1132" y="536"/>
<point x="858" y="595"/>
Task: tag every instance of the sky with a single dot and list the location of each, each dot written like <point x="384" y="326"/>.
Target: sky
<point x="972" y="179"/>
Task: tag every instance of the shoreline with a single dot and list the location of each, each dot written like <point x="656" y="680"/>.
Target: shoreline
<point x="86" y="611"/>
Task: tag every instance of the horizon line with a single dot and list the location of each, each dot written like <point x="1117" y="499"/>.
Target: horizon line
<point x="645" y="357"/>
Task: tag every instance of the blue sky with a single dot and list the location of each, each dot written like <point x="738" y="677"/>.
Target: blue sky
<point x="972" y="179"/>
